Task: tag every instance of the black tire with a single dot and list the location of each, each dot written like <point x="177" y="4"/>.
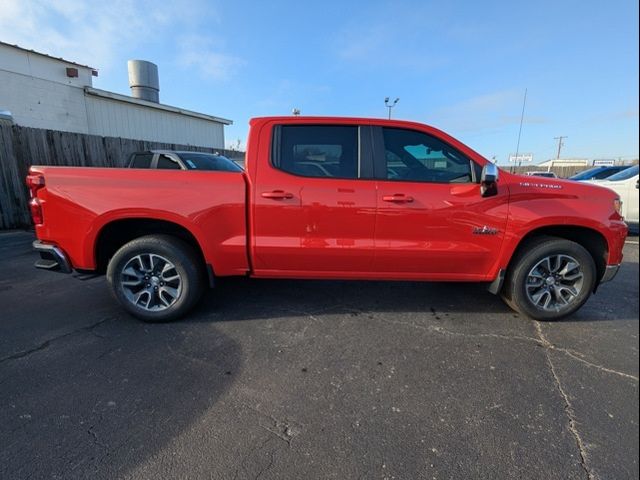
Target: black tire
<point x="517" y="285"/>
<point x="163" y="251"/>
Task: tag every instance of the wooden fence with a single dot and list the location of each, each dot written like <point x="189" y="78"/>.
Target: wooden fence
<point x="21" y="147"/>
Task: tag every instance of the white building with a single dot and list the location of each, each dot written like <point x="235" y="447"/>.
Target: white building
<point x="565" y="162"/>
<point x="46" y="92"/>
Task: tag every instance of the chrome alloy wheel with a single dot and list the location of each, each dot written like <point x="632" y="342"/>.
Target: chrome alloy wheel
<point x="151" y="282"/>
<point x="554" y="282"/>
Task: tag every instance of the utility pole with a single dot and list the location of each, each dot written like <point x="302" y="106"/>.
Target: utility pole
<point x="560" y="144"/>
<point x="390" y="105"/>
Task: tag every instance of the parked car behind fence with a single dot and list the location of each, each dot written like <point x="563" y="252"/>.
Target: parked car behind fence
<point x="598" y="173"/>
<point x="176" y="160"/>
<point x="625" y="184"/>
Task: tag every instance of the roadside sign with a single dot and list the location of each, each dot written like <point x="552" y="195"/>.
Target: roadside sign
<point x="521" y="157"/>
<point x="605" y="163"/>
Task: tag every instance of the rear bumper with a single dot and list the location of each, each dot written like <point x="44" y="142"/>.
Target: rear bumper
<point x="51" y="258"/>
<point x="610" y="272"/>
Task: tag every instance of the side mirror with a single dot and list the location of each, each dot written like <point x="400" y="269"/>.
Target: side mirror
<point x="489" y="180"/>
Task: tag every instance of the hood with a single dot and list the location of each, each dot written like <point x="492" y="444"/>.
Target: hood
<point x="541" y="186"/>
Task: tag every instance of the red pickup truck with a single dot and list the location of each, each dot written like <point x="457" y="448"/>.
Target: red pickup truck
<point x="330" y="198"/>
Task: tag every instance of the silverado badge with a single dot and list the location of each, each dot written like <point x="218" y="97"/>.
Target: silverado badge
<point x="485" y="230"/>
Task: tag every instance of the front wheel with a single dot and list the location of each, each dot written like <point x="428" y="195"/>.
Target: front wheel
<point x="156" y="278"/>
<point x="550" y="278"/>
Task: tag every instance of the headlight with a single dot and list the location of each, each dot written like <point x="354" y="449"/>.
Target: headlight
<point x="617" y="205"/>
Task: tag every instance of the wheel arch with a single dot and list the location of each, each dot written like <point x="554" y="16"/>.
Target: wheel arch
<point x="592" y="240"/>
<point x="116" y="233"/>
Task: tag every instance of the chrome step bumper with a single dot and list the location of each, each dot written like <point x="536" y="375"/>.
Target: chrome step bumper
<point x="51" y="258"/>
<point x="610" y="272"/>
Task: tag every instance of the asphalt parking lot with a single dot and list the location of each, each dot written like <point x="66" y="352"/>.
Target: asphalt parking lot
<point x="309" y="379"/>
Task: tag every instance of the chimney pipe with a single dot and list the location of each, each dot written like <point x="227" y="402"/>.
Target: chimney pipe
<point x="143" y="80"/>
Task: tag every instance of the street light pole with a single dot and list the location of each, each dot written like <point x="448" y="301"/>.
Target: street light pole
<point x="390" y="105"/>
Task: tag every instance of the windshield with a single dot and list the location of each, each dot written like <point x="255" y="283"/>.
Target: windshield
<point x="625" y="174"/>
<point x="208" y="161"/>
<point x="586" y="175"/>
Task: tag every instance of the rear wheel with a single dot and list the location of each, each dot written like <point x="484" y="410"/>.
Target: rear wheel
<point x="156" y="278"/>
<point x="550" y="278"/>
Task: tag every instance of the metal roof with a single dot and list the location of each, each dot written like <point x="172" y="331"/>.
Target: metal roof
<point x="48" y="56"/>
<point x="159" y="106"/>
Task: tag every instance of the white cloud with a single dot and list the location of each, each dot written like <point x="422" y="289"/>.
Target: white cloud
<point x="396" y="41"/>
<point x="364" y="44"/>
<point x="206" y="55"/>
<point x="81" y="32"/>
<point x="489" y="111"/>
<point x="287" y="94"/>
<point x="96" y="32"/>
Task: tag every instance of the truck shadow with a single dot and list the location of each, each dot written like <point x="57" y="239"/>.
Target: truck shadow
<point x="248" y="299"/>
<point x="97" y="402"/>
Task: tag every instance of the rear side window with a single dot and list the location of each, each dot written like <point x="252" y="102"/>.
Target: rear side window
<point x="316" y="150"/>
<point x="207" y="161"/>
<point x="167" y="163"/>
<point x="141" y="160"/>
<point x="607" y="173"/>
<point x="417" y="157"/>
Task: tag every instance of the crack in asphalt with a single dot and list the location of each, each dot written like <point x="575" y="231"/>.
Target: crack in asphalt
<point x="244" y="460"/>
<point x="576" y="356"/>
<point x="285" y="430"/>
<point x="580" y="357"/>
<point x="44" y="345"/>
<point x="568" y="407"/>
<point x="94" y="435"/>
<point x="272" y="455"/>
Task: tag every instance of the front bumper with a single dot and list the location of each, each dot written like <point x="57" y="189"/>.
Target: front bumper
<point x="51" y="258"/>
<point x="610" y="272"/>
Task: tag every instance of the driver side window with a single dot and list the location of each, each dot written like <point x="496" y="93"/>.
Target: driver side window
<point x="413" y="156"/>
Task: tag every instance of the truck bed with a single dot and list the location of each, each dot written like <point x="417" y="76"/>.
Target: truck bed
<point x="79" y="202"/>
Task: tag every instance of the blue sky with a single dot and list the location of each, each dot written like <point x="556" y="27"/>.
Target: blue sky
<point x="460" y="66"/>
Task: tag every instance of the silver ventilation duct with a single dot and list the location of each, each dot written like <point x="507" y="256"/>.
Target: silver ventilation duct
<point x="143" y="80"/>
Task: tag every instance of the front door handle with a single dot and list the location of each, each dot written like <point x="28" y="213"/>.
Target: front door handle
<point x="398" y="198"/>
<point x="277" y="195"/>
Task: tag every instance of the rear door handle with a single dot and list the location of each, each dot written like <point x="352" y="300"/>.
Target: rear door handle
<point x="277" y="195"/>
<point x="398" y="198"/>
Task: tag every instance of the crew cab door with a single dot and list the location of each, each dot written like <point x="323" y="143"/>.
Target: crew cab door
<point x="313" y="206"/>
<point x="432" y="220"/>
